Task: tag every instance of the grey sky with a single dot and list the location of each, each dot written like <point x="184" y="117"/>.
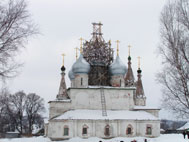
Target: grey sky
<point x="63" y="22"/>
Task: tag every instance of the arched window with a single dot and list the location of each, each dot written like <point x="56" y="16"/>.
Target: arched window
<point x="120" y="82"/>
<point x="129" y="130"/>
<point x="84" y="130"/>
<point x="66" y="130"/>
<point x="107" y="130"/>
<point x="148" y="129"/>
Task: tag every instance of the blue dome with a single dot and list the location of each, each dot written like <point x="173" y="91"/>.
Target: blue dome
<point x="81" y="66"/>
<point x="117" y="67"/>
<point x="71" y="74"/>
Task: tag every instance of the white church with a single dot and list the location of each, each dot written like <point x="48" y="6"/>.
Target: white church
<point x="104" y="99"/>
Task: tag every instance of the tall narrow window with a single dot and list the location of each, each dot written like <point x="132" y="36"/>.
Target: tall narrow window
<point x="107" y="130"/>
<point x="129" y="129"/>
<point x="120" y="82"/>
<point x="81" y="81"/>
<point x="84" y="130"/>
<point x="149" y="130"/>
<point x="66" y="130"/>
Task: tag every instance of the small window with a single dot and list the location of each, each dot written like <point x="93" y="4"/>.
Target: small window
<point x="107" y="130"/>
<point x="66" y="131"/>
<point x="129" y="131"/>
<point x="120" y="82"/>
<point x="84" y="130"/>
<point x="149" y="130"/>
<point x="81" y="81"/>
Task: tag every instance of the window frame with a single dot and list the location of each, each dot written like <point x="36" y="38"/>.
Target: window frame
<point x="147" y="128"/>
<point x="66" y="127"/>
<point x="86" y="128"/>
<point x="105" y="130"/>
<point x="129" y="127"/>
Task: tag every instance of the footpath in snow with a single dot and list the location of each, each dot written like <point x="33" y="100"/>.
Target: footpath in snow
<point x="162" y="138"/>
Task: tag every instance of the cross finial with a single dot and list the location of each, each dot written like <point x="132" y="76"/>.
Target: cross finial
<point x="129" y="47"/>
<point x="63" y="58"/>
<point x="76" y="52"/>
<point x="139" y="62"/>
<point x="117" y="41"/>
<point x="81" y="44"/>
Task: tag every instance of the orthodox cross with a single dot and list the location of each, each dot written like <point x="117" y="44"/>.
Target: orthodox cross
<point x="117" y="41"/>
<point x="139" y="62"/>
<point x="63" y="58"/>
<point x="76" y="49"/>
<point x="109" y="42"/>
<point x="129" y="47"/>
<point x="81" y="44"/>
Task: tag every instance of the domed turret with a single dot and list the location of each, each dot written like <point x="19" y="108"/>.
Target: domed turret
<point x="81" y="66"/>
<point x="71" y="74"/>
<point x="117" y="67"/>
<point x="117" y="70"/>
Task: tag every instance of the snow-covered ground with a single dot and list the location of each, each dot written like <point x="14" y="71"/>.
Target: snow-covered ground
<point x="162" y="138"/>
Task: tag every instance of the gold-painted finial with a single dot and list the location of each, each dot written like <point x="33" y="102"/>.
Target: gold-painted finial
<point x="81" y="45"/>
<point x="139" y="62"/>
<point x="76" y="52"/>
<point x="63" y="58"/>
<point x="129" y="47"/>
<point x="117" y="41"/>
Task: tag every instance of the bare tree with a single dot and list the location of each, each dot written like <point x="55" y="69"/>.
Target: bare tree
<point x="5" y="121"/>
<point x="34" y="108"/>
<point x="15" y="106"/>
<point x="16" y="27"/>
<point x="174" y="49"/>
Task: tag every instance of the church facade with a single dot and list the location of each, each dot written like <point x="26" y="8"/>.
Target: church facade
<point x="104" y="99"/>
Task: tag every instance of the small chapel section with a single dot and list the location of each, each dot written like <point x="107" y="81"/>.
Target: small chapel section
<point x="104" y="99"/>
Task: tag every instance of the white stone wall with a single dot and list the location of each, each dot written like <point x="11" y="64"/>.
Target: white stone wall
<point x="140" y="101"/>
<point x="90" y="98"/>
<point x="81" y="80"/>
<point x="117" y="81"/>
<point x="96" y="128"/>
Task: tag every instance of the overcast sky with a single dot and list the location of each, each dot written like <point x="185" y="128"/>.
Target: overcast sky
<point x="63" y="22"/>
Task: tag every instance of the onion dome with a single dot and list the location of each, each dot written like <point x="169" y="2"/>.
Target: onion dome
<point x="117" y="67"/>
<point x="71" y="74"/>
<point x="63" y="68"/>
<point x="81" y="66"/>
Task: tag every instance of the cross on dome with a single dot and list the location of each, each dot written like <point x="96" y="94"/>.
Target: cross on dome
<point x="117" y="41"/>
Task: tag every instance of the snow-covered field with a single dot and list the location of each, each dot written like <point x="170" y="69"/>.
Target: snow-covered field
<point x="162" y="138"/>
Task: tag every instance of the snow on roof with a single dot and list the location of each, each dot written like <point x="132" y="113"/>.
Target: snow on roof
<point x="146" y="107"/>
<point x="111" y="115"/>
<point x="110" y="87"/>
<point x="66" y="100"/>
<point x="186" y="126"/>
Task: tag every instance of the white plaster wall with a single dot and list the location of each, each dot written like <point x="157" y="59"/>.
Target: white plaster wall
<point x="57" y="108"/>
<point x="154" y="112"/>
<point x="56" y="129"/>
<point x="96" y="128"/>
<point x="140" y="101"/>
<point x="72" y="82"/>
<point x="115" y="81"/>
<point x="77" y="80"/>
<point x="155" y="128"/>
<point x="123" y="128"/>
<point x="116" y="99"/>
<point x="90" y="98"/>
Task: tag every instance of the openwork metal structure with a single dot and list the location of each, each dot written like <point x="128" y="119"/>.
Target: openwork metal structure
<point x="99" y="55"/>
